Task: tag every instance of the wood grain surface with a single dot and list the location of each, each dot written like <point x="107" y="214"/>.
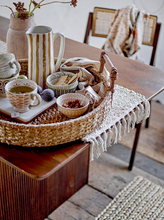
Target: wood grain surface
<point x="39" y="163"/>
<point x="25" y="198"/>
<point x="142" y="78"/>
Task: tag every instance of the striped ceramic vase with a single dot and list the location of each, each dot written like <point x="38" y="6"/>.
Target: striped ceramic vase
<point x="41" y="53"/>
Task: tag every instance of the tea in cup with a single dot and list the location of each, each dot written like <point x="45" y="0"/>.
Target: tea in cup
<point x="22" y="94"/>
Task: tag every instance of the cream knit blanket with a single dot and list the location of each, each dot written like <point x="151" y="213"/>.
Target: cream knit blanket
<point x="126" y="32"/>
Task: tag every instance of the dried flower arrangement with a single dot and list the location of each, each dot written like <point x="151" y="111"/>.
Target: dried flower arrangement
<point x="22" y="12"/>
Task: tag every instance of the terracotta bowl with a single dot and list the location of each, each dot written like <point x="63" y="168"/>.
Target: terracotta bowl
<point x="72" y="112"/>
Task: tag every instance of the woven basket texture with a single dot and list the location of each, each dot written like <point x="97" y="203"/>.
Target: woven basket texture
<point x="140" y="200"/>
<point x="52" y="128"/>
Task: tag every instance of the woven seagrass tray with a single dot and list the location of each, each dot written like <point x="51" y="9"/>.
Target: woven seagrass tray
<point x="52" y="128"/>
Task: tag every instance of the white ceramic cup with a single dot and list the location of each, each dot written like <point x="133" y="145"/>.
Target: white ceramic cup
<point x="24" y="101"/>
<point x="9" y="66"/>
<point x="3" y="83"/>
<point x="41" y="53"/>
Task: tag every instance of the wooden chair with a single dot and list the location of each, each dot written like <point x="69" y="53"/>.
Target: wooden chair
<point x="99" y="23"/>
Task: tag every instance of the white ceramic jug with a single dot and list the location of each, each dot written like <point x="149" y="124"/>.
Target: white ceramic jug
<point x="41" y="53"/>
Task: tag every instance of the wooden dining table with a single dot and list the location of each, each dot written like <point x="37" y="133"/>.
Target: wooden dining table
<point x="35" y="181"/>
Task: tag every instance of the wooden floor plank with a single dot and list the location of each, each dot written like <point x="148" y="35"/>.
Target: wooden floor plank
<point x="90" y="200"/>
<point x="141" y="161"/>
<point x="86" y="201"/>
<point x="69" y="211"/>
<point x="110" y="175"/>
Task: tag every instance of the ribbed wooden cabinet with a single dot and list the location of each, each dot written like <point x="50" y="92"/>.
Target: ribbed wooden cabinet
<point x="24" y="198"/>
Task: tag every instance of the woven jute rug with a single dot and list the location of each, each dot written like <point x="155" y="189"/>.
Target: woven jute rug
<point x="141" y="199"/>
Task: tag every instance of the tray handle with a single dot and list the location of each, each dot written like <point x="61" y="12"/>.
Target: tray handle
<point x="113" y="71"/>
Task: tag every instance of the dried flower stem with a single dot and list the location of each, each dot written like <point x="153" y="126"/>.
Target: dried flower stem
<point x="9" y="8"/>
<point x="38" y="5"/>
<point x="55" y="2"/>
<point x="22" y="12"/>
<point x="29" y="8"/>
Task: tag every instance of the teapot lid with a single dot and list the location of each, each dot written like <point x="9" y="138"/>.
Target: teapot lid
<point x="5" y="58"/>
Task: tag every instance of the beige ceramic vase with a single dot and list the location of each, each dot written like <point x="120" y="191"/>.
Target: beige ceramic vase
<point x="16" y="38"/>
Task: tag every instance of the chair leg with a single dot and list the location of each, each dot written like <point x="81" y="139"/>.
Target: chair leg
<point x="147" y="123"/>
<point x="138" y="129"/>
<point x="147" y="120"/>
<point x="88" y="28"/>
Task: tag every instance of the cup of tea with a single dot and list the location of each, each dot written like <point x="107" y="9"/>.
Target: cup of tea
<point x="22" y="94"/>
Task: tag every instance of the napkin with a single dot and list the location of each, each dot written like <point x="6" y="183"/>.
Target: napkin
<point x="87" y="83"/>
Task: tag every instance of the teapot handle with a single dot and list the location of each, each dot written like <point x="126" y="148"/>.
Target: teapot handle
<point x="18" y="67"/>
<point x="61" y="49"/>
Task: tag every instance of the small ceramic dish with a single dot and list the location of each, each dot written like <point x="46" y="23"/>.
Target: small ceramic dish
<point x="60" y="90"/>
<point x="71" y="97"/>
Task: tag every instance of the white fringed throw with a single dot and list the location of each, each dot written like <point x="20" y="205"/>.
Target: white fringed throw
<point x="128" y="108"/>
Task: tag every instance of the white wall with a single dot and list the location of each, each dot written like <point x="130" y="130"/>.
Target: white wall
<point x="72" y="21"/>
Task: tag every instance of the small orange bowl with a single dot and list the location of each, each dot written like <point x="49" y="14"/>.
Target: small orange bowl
<point x="71" y="97"/>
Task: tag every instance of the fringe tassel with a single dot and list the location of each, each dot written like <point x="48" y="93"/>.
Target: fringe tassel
<point x="115" y="134"/>
<point x="121" y="128"/>
<point x="92" y="155"/>
<point x="104" y="137"/>
<point x="147" y="109"/>
<point x="97" y="149"/>
<point x="109" y="137"/>
<point x="101" y="143"/>
<point x="133" y="122"/>
<point x="138" y="110"/>
<point x="141" y="113"/>
<point x="124" y="126"/>
<point x="129" y="123"/>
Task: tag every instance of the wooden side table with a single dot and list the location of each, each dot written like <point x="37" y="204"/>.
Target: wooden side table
<point x="33" y="183"/>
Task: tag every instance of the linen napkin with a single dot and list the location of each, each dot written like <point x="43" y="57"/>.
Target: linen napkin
<point x="87" y="83"/>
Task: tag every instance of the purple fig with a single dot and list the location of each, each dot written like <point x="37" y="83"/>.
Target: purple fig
<point x="39" y="89"/>
<point x="47" y="95"/>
